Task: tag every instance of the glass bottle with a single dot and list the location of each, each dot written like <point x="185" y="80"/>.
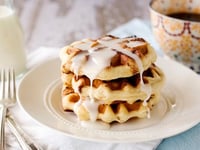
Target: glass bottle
<point x="12" y="48"/>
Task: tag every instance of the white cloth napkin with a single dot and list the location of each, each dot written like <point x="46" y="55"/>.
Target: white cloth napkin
<point x="52" y="140"/>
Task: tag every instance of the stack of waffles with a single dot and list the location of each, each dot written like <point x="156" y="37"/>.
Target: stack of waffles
<point x="110" y="79"/>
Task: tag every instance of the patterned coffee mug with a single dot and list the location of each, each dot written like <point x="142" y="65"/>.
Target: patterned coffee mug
<point x="178" y="38"/>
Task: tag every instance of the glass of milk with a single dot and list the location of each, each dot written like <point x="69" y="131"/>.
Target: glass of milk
<point x="12" y="52"/>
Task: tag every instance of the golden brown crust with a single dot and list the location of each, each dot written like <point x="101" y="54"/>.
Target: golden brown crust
<point x="119" y="111"/>
<point x="128" y="89"/>
<point x="121" y="65"/>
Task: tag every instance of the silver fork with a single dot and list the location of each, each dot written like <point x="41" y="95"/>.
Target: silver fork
<point x="8" y="99"/>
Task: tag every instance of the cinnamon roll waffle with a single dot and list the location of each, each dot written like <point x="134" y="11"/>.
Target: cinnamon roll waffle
<point x="110" y="79"/>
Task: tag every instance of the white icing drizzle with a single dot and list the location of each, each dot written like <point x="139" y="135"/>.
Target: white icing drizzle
<point x="93" y="60"/>
<point x="134" y="44"/>
<point x="91" y="90"/>
<point x="96" y="62"/>
<point x="77" y="62"/>
<point x="92" y="108"/>
<point x="148" y="113"/>
<point x="115" y="46"/>
<point x="77" y="105"/>
<point x="92" y="63"/>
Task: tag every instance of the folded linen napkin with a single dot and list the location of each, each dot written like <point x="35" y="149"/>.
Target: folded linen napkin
<point x="51" y="140"/>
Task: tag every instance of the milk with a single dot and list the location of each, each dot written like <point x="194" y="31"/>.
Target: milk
<point x="12" y="52"/>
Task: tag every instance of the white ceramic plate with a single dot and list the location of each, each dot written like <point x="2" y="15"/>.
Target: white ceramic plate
<point x="39" y="95"/>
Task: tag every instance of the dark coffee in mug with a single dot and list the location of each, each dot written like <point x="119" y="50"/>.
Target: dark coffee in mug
<point x="186" y="16"/>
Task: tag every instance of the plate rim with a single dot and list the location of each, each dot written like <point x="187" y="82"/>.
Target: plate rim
<point x="28" y="74"/>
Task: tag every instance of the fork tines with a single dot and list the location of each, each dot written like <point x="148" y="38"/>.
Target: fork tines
<point x="7" y="86"/>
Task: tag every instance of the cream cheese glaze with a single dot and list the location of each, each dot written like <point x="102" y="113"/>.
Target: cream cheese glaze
<point x="93" y="60"/>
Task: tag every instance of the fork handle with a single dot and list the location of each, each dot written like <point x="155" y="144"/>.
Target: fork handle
<point x="3" y="110"/>
<point x="24" y="140"/>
